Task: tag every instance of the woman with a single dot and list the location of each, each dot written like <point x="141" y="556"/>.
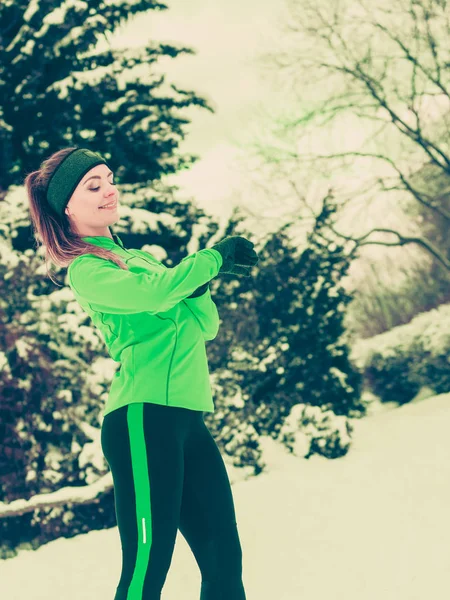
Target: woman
<point x="167" y="470"/>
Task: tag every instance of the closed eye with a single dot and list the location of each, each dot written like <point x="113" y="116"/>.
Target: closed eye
<point x="97" y="188"/>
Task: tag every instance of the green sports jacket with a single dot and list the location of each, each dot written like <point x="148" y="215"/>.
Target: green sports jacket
<point x="149" y="324"/>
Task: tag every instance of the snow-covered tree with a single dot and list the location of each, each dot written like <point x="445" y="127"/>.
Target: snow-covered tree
<point x="60" y="88"/>
<point x="285" y="339"/>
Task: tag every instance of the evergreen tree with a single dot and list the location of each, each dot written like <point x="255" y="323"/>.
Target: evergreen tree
<point x="286" y="343"/>
<point x="60" y="90"/>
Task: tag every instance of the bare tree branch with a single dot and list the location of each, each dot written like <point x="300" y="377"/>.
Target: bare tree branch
<point x="418" y="195"/>
<point x="397" y="121"/>
<point x="401" y="241"/>
<point x="411" y="32"/>
<point x="437" y="82"/>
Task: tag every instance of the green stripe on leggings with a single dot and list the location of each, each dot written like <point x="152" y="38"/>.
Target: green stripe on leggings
<point x="135" y="421"/>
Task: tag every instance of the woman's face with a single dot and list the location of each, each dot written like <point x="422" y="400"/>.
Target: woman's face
<point x="95" y="189"/>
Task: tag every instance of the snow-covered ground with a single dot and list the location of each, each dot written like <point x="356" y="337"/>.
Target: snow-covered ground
<point x="374" y="524"/>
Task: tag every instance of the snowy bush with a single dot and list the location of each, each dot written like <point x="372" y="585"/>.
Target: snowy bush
<point x="312" y="430"/>
<point x="399" y="362"/>
<point x="235" y="435"/>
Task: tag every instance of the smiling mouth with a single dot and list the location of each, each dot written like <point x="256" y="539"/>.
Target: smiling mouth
<point x="110" y="205"/>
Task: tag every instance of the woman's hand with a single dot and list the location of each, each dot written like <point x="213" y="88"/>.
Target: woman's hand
<point x="238" y="255"/>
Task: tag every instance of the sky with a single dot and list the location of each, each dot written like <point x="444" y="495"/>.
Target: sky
<point x="228" y="37"/>
<point x="249" y="95"/>
<point x="372" y="524"/>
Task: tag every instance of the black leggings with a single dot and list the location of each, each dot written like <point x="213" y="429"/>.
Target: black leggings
<point x="168" y="474"/>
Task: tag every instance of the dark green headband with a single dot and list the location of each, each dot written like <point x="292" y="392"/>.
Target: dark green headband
<point x="67" y="176"/>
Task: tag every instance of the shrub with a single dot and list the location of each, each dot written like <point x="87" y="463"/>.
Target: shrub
<point x="312" y="430"/>
<point x="399" y="362"/>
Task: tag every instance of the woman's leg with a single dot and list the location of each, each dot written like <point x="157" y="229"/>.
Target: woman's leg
<point x="143" y="445"/>
<point x="208" y="519"/>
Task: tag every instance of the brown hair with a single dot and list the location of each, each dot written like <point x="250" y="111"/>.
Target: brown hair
<point x="61" y="244"/>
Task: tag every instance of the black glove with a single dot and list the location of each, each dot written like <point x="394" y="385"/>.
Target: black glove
<point x="238" y="255"/>
<point x="235" y="250"/>
<point x="200" y="290"/>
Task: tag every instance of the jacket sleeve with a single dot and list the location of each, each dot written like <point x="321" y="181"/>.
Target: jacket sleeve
<point x="108" y="288"/>
<point x="205" y="311"/>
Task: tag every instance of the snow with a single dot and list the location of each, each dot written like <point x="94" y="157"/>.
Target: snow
<point x="430" y="329"/>
<point x="373" y="524"/>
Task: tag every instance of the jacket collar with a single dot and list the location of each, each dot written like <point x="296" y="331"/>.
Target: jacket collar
<point x="104" y="241"/>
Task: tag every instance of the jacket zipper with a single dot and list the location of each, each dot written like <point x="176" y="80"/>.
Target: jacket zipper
<point x="176" y="333"/>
